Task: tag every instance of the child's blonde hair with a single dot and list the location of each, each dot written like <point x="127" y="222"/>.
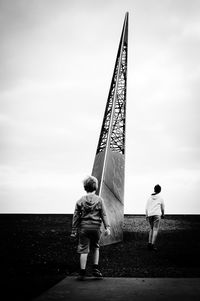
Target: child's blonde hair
<point x="90" y="184"/>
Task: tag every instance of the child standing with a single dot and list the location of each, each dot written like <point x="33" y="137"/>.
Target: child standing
<point x="87" y="219"/>
<point x="154" y="212"/>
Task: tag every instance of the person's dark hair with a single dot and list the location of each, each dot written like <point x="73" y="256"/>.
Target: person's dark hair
<point x="157" y="189"/>
<point x="90" y="184"/>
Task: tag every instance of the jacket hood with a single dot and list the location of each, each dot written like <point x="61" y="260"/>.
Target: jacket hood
<point x="90" y="202"/>
<point x="155" y="196"/>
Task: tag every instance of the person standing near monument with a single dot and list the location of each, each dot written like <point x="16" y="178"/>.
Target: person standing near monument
<point x="155" y="210"/>
<point x="88" y="216"/>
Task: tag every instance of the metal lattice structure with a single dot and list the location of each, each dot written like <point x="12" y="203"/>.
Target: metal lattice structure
<point x="109" y="164"/>
<point x="115" y="112"/>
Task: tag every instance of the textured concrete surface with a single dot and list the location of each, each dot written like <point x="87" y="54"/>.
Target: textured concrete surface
<point x="126" y="289"/>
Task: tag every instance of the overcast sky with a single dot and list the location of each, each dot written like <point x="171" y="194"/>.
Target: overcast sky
<point x="57" y="59"/>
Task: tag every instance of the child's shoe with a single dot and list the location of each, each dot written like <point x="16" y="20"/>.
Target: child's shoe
<point x="81" y="275"/>
<point x="154" y="248"/>
<point x="97" y="274"/>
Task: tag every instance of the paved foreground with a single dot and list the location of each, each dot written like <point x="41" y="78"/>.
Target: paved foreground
<point x="127" y="289"/>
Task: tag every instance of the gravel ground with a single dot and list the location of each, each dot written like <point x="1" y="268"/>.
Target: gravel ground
<point x="37" y="252"/>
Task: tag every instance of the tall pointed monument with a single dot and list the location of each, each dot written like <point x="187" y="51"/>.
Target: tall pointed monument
<point x="109" y="163"/>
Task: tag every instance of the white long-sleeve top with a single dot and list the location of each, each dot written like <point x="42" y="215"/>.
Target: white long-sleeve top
<point x="155" y="205"/>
